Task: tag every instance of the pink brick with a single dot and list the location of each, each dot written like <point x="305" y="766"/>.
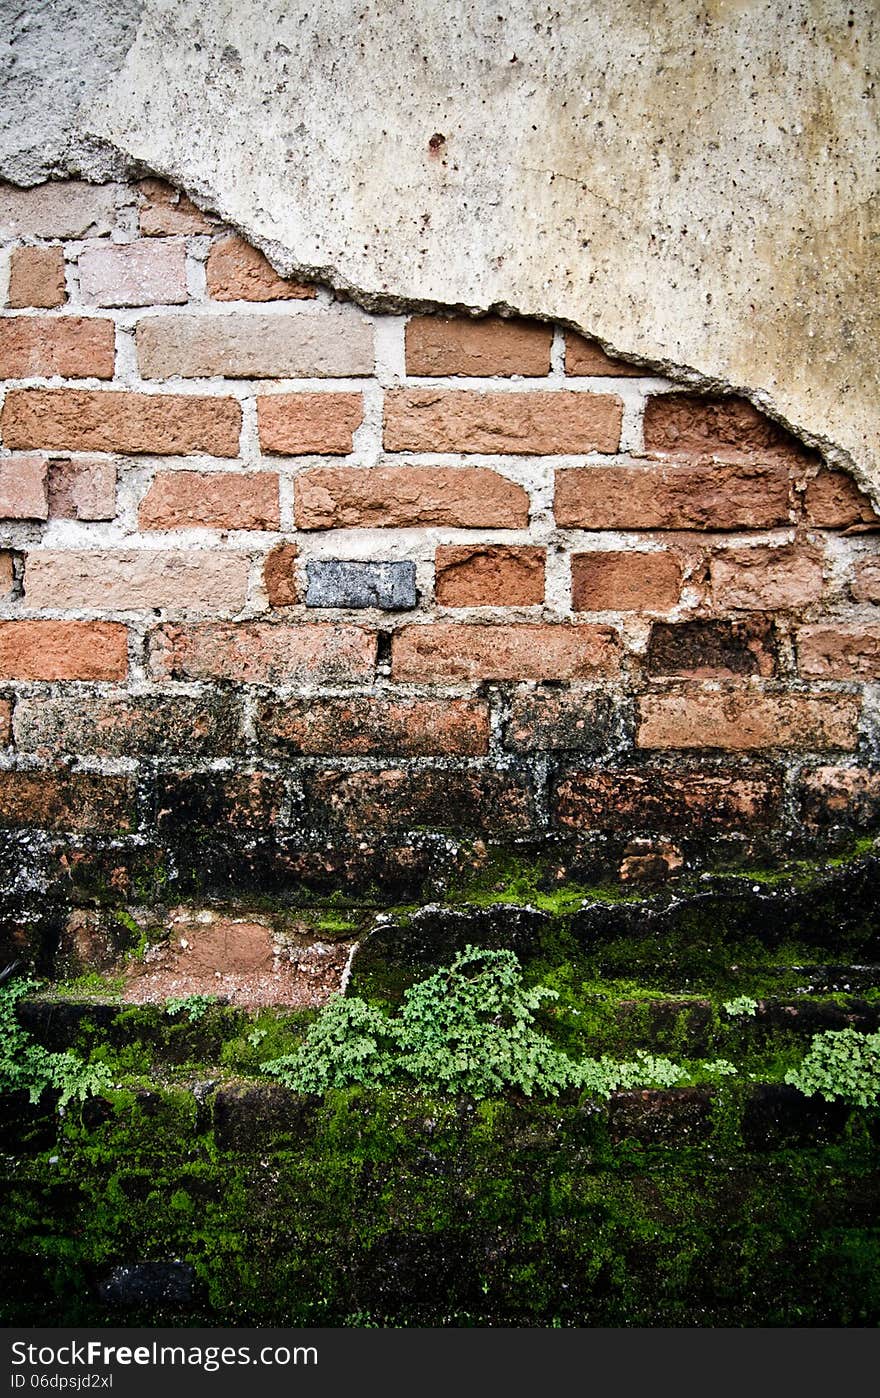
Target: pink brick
<point x="23" y="487"/>
<point x="145" y="273"/>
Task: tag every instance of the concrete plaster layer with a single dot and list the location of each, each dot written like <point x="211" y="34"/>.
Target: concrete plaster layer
<point x="694" y="184"/>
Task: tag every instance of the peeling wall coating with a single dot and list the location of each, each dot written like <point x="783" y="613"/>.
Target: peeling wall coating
<point x="694" y="185"/>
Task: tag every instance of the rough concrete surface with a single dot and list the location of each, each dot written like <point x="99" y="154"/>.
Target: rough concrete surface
<point x="696" y="186"/>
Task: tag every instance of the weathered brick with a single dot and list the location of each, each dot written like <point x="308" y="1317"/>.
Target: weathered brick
<point x="766" y="578"/>
<point x="839" y="651"/>
<point x="400" y="497"/>
<point x="77" y="801"/>
<point x="834" y="501"/>
<point x="211" y="500"/>
<point x="136" y="579"/>
<point x="746" y="720"/>
<point x="76" y="347"/>
<point x="279" y="575"/>
<point x="118" y="725"/>
<point x="239" y="272"/>
<point x="296" y="424"/>
<point x="539" y="423"/>
<point x="690" y="424"/>
<point x="72" y="209"/>
<point x="23" y="488"/>
<point x="626" y="581"/>
<point x="587" y="359"/>
<point x="682" y="799"/>
<point x="220" y="803"/>
<point x="449" y="651"/>
<point x="840" y="796"/>
<point x="713" y="649"/>
<point x="164" y="211"/>
<point x="336" y="343"/>
<point x="575" y="721"/>
<point x="488" y="802"/>
<point x="489" y="575"/>
<point x="441" y="345"/>
<point x="644" y="496"/>
<point x="63" y="650"/>
<point x="264" y="653"/>
<point x="366" y="727"/>
<point x="866" y="580"/>
<point x="336" y="582"/>
<point x="69" y="419"/>
<point x="36" y="278"/>
<point x="7" y="574"/>
<point x="145" y="273"/>
<point x="84" y="488"/>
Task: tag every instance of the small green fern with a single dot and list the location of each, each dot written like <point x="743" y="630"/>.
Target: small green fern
<point x="28" y="1067"/>
<point x="842" y="1065"/>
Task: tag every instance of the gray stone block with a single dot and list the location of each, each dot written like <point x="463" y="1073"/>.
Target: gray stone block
<point x="338" y="583"/>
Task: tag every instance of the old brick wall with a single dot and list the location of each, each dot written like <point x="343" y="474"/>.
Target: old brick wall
<point x="294" y="593"/>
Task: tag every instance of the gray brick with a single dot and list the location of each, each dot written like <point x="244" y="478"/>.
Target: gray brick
<point x="337" y="583"/>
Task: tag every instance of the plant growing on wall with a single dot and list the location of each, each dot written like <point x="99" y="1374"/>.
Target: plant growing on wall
<point x="28" y="1067"/>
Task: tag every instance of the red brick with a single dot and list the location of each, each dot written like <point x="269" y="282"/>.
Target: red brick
<point x="279" y="575"/>
<point x="489" y="575"/>
<point x="23" y="489"/>
<point x="488" y="802"/>
<point x="137" y="579"/>
<point x="587" y="359"/>
<point x="449" y="651"/>
<point x="82" y="489"/>
<point x="866" y="580"/>
<point x="574" y="720"/>
<point x="297" y="424"/>
<point x="710" y="649"/>
<point x="239" y="272"/>
<point x="690" y="424"/>
<point x="683" y="799"/>
<point x="7" y="574"/>
<point x="165" y="211"/>
<point x="399" y="497"/>
<point x="364" y="727"/>
<point x="211" y="500"/>
<point x="839" y="651"/>
<point x="36" y="278"/>
<point x="747" y="720"/>
<point x="841" y="796"/>
<point x="5" y="722"/>
<point x="63" y="650"/>
<point x="144" y="273"/>
<point x="76" y="347"/>
<point x="834" y="501"/>
<point x="643" y="496"/>
<point x="626" y="581"/>
<point x="67" y="419"/>
<point x="766" y="578"/>
<point x="123" y="725"/>
<point x="264" y="653"/>
<point x="448" y="345"/>
<point x="539" y="423"/>
<point x="80" y="801"/>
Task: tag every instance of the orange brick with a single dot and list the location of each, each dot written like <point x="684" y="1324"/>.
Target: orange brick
<point x="539" y="423"/>
<point x="690" y="424"/>
<point x="239" y="272"/>
<point x="625" y="581"/>
<point x="587" y="359"/>
<point x="450" y="652"/>
<point x="766" y="578"/>
<point x="747" y="721"/>
<point x="63" y="650"/>
<point x="69" y="419"/>
<point x="75" y="347"/>
<point x="36" y="278"/>
<point x="165" y="211"/>
<point x="866" y="580"/>
<point x="643" y="496"/>
<point x="444" y="345"/>
<point x="839" y="651"/>
<point x="210" y="500"/>
<point x="264" y="653"/>
<point x="279" y="575"/>
<point x="489" y="575"/>
<point x="364" y="727"/>
<point x="295" y="424"/>
<point x="399" y="497"/>
<point x="23" y="488"/>
<point x="834" y="501"/>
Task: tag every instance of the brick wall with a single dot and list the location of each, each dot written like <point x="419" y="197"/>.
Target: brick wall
<point x="312" y="594"/>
